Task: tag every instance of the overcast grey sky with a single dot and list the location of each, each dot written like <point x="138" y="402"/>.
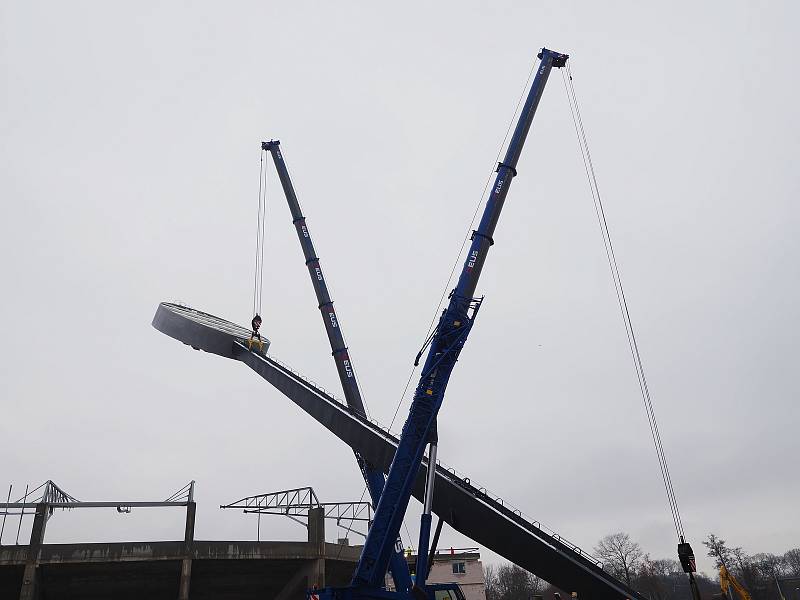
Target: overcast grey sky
<point x="129" y="176"/>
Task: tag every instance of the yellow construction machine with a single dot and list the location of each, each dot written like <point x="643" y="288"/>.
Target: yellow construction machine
<point x="729" y="584"/>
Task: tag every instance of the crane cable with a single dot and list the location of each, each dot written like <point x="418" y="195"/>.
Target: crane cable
<point x="258" y="275"/>
<point x="621" y="300"/>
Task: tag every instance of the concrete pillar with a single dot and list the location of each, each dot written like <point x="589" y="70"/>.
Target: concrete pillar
<point x="318" y="577"/>
<point x="316" y="538"/>
<point x="316" y="526"/>
<point x="30" y="575"/>
<point x="188" y="549"/>
<point x="186" y="578"/>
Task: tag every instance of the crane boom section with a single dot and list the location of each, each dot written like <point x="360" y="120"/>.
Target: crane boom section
<point x="446" y="343"/>
<point x="344" y="365"/>
<point x="372" y="476"/>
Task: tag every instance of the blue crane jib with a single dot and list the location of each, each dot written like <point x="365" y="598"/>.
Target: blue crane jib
<point x="445" y="345"/>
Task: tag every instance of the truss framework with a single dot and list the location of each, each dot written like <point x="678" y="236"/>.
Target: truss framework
<point x="296" y="503"/>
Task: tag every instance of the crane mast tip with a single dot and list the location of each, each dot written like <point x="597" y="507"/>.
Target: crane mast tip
<point x="270" y="145"/>
<point x="559" y="60"/>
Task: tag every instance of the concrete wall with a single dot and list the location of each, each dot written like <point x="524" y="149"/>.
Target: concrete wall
<point x="236" y="570"/>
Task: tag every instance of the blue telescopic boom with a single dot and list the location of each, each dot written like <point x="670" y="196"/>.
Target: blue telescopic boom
<point x="445" y="345"/>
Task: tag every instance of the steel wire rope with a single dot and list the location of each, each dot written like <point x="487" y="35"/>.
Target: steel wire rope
<point x="259" y="240"/>
<point x="589" y="167"/>
<point x="621" y="299"/>
<point x="410" y="537"/>
<point x="637" y="356"/>
<point x="263" y="243"/>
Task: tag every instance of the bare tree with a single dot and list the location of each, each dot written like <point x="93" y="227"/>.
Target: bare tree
<point x="491" y="583"/>
<point x="659" y="567"/>
<point x="791" y="562"/>
<point x="768" y="567"/>
<point x="756" y="573"/>
<point x="510" y="582"/>
<point x="719" y="551"/>
<point x="740" y="558"/>
<point x="621" y="556"/>
<point x="651" y="577"/>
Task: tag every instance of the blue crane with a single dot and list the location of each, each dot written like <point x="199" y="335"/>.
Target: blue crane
<point x="419" y="430"/>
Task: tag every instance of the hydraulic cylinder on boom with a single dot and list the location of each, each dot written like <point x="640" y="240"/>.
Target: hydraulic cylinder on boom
<point x="344" y="365"/>
<point x="445" y="345"/>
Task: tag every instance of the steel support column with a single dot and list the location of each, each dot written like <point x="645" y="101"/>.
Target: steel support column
<point x="316" y="536"/>
<point x="30" y="576"/>
<point x="188" y="541"/>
